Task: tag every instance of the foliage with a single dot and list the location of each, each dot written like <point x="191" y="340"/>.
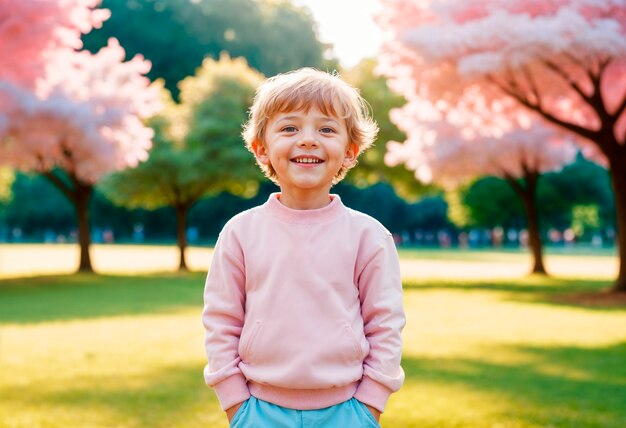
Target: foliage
<point x="198" y="148"/>
<point x="38" y="205"/>
<point x="491" y="52"/>
<point x="429" y="213"/>
<point x="372" y="167"/>
<point x="273" y="36"/>
<point x="492" y="202"/>
<point x="523" y="55"/>
<point x="33" y="31"/>
<point x="6" y="180"/>
<point x="584" y="219"/>
<point x="379" y="200"/>
<point x="83" y="117"/>
<point x="582" y="183"/>
<point x="458" y="214"/>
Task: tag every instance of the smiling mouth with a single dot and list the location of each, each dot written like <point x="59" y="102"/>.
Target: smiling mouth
<point x="307" y="160"/>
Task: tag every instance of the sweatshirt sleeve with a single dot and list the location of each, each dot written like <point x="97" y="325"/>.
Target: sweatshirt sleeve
<point x="380" y="291"/>
<point x="223" y="316"/>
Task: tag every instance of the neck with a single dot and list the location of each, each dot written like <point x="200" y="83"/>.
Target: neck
<point x="305" y="200"/>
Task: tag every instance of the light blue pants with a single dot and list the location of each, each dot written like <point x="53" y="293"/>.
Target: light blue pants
<point x="255" y="413"/>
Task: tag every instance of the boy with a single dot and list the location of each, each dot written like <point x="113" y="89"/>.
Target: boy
<point x="303" y="300"/>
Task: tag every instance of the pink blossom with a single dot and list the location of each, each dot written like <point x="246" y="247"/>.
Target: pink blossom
<point x="85" y="115"/>
<point x="31" y="31"/>
<point x="453" y="146"/>
<point x="545" y="50"/>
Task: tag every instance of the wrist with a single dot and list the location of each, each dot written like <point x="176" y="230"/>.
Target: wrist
<point x="230" y="412"/>
<point x="374" y="411"/>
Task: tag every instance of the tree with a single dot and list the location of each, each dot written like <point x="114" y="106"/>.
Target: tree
<point x="583" y="183"/>
<point x="83" y="121"/>
<point x="562" y="59"/>
<point x="492" y="202"/>
<point x="198" y="149"/>
<point x="462" y="144"/>
<point x="372" y="167"/>
<point x="175" y="35"/>
<point x="33" y="31"/>
<point x="6" y="180"/>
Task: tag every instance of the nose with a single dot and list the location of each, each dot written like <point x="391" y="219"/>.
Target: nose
<point x="308" y="139"/>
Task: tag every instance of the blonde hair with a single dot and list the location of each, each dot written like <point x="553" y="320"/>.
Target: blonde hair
<point x="300" y="90"/>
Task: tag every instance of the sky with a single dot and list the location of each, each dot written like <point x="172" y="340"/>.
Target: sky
<point x="348" y="25"/>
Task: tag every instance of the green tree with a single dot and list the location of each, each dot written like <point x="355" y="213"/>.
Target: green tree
<point x="38" y="205"/>
<point x="6" y="180"/>
<point x="582" y="183"/>
<point x="176" y="35"/>
<point x="197" y="149"/>
<point x="378" y="200"/>
<point x="492" y="202"/>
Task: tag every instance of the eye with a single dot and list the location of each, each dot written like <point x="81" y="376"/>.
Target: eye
<point x="327" y="130"/>
<point x="289" y="129"/>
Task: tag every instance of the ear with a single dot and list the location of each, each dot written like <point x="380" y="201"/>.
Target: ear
<point x="260" y="152"/>
<point x="352" y="151"/>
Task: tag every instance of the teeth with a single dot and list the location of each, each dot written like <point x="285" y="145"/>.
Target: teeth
<point x="307" y="160"/>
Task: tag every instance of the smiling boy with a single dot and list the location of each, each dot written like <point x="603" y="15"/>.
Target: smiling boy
<point x="303" y="300"/>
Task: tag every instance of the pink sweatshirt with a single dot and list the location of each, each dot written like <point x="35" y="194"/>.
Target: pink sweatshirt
<point x="303" y="308"/>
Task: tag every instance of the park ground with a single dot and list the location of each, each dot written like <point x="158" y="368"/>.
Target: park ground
<point x="485" y="345"/>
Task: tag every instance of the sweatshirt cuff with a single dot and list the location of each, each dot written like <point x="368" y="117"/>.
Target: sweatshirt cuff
<point x="373" y="393"/>
<point x="232" y="390"/>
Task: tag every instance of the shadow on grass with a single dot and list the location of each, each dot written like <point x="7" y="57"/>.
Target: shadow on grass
<point x="551" y="387"/>
<point x="570" y="292"/>
<point x="172" y="396"/>
<point x="82" y="296"/>
<point x="79" y="296"/>
<point x="554" y="386"/>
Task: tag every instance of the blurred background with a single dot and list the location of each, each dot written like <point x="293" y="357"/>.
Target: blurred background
<point x="575" y="202"/>
<point x="500" y="170"/>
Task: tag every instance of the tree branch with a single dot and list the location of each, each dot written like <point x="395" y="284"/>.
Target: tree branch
<point x="575" y="60"/>
<point x="522" y="99"/>
<point x="60" y="184"/>
<point x="620" y="108"/>
<point x="533" y="86"/>
<point x="517" y="187"/>
<point x="552" y="66"/>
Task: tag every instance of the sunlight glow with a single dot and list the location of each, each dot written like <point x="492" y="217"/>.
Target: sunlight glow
<point x="348" y="25"/>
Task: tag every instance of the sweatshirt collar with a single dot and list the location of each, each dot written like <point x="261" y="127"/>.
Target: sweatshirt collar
<point x="319" y="215"/>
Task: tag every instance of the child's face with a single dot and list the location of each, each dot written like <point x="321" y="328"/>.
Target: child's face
<point x="306" y="150"/>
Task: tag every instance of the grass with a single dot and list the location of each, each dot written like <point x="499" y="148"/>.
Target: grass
<point x="481" y="350"/>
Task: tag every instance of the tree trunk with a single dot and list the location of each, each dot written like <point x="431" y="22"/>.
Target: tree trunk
<point x="79" y="194"/>
<point x="81" y="204"/>
<point x="618" y="179"/>
<point x="528" y="194"/>
<point x="181" y="233"/>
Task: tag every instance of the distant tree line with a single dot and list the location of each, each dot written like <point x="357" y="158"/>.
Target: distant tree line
<point x="489" y="202"/>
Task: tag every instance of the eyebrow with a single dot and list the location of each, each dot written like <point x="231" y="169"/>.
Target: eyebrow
<point x="321" y="118"/>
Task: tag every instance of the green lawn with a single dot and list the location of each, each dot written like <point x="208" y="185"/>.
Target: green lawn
<point x="126" y="351"/>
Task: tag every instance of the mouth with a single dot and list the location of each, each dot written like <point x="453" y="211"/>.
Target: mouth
<point x="307" y="160"/>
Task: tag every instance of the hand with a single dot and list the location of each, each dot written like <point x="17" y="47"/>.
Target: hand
<point x="230" y="413"/>
<point x="374" y="412"/>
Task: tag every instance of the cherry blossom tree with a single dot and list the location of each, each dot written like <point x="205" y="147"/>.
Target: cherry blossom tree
<point x="565" y="60"/>
<point x="33" y="31"/>
<point x="82" y="120"/>
<point x="458" y="146"/>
